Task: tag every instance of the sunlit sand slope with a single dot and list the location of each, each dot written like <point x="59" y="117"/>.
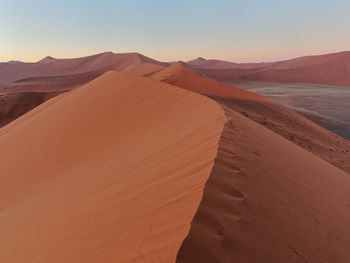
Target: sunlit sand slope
<point x="110" y="172"/>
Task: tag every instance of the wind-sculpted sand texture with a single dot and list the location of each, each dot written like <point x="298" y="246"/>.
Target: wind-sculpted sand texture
<point x="181" y="75"/>
<point x="110" y="172"/>
<point x="268" y="200"/>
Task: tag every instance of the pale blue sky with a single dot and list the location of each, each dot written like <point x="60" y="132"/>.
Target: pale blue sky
<point x="236" y="30"/>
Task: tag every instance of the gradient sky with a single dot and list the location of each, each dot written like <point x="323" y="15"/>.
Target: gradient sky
<point x="235" y="30"/>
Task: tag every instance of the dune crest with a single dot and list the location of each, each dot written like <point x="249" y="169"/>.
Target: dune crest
<point x="181" y="75"/>
<point x="110" y="172"/>
<point x="268" y="200"/>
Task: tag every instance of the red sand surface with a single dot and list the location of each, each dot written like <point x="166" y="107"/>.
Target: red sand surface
<point x="129" y="169"/>
<point x="181" y="75"/>
<point x="291" y="125"/>
<point x="110" y="172"/>
<point x="296" y="128"/>
<point x="268" y="200"/>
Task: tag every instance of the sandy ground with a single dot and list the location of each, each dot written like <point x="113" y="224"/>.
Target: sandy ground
<point x="268" y="200"/>
<point x="181" y="75"/>
<point x="110" y="172"/>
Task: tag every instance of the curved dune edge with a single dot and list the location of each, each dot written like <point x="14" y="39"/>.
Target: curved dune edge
<point x="181" y="75"/>
<point x="268" y="200"/>
<point x="110" y="172"/>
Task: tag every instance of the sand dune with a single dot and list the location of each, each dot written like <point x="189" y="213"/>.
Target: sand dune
<point x="110" y="172"/>
<point x="294" y="127"/>
<point x="143" y="69"/>
<point x="49" y="67"/>
<point x="130" y="169"/>
<point x="54" y="76"/>
<point x="333" y="69"/>
<point x="279" y="119"/>
<point x="268" y="200"/>
<point x="202" y="63"/>
<point x="181" y="75"/>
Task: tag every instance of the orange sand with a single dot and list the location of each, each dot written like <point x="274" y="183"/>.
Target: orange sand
<point x="110" y="172"/>
<point x="181" y="75"/>
<point x="268" y="200"/>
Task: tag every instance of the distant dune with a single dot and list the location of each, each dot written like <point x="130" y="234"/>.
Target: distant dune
<point x="50" y="67"/>
<point x="179" y="74"/>
<point x="54" y="76"/>
<point x="220" y="64"/>
<point x="333" y="69"/>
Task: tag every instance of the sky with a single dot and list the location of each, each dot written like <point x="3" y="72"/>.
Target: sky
<point x="170" y="30"/>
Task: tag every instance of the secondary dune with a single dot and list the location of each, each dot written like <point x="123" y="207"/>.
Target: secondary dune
<point x="281" y="120"/>
<point x="181" y="75"/>
<point x="268" y="200"/>
<point x="110" y="172"/>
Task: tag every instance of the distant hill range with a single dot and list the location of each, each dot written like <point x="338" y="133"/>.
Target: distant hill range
<point x="331" y="69"/>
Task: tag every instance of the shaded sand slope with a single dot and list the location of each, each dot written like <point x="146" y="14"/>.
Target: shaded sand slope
<point x="14" y="105"/>
<point x="268" y="200"/>
<point x="274" y="116"/>
<point x="50" y="83"/>
<point x="181" y="75"/>
<point x="296" y="128"/>
<point x="110" y="172"/>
